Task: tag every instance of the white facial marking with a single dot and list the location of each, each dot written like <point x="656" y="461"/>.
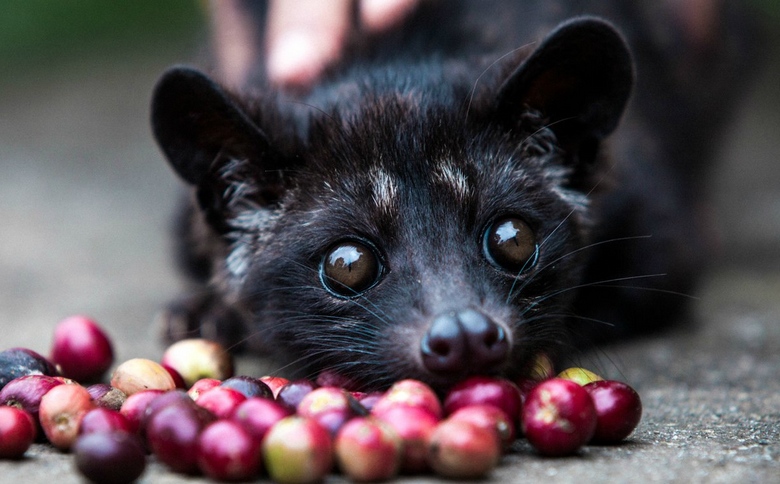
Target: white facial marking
<point x="453" y="179"/>
<point x="385" y="190"/>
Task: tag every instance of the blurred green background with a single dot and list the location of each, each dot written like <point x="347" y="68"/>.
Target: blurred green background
<point x="36" y="33"/>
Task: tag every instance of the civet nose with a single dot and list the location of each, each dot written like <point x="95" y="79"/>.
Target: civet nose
<point x="463" y="342"/>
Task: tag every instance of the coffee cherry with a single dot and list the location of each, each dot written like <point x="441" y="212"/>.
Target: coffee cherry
<point x="161" y="401"/>
<point x="140" y="374"/>
<point x="17" y="432"/>
<point x="558" y="417"/>
<point x="110" y="457"/>
<point x="297" y="450"/>
<point x="291" y="394"/>
<point x="581" y="376"/>
<point x="226" y="452"/>
<point x="414" y="425"/>
<point x="368" y="450"/>
<point x="542" y="368"/>
<point x="16" y="362"/>
<point x="27" y="391"/>
<point x="330" y="406"/>
<point x="618" y="410"/>
<point x="61" y="411"/>
<point x="462" y="450"/>
<point x="135" y="405"/>
<point x="258" y="415"/>
<point x="172" y="434"/>
<point x="409" y="393"/>
<point x="106" y="396"/>
<point x="104" y="420"/>
<point x="369" y="400"/>
<point x="275" y="383"/>
<point x="221" y="401"/>
<point x="489" y="417"/>
<point x="250" y="387"/>
<point x="81" y="349"/>
<point x="177" y="378"/>
<point x="199" y="358"/>
<point x="483" y="390"/>
<point x="202" y="386"/>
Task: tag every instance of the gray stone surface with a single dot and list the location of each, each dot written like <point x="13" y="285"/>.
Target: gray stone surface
<point x="84" y="204"/>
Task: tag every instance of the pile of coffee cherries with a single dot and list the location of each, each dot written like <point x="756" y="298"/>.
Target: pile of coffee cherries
<point x="197" y="418"/>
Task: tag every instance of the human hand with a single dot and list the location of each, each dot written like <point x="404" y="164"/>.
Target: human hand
<point x="304" y="37"/>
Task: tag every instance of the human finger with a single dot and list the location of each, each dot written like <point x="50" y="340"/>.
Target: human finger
<point x="304" y="38"/>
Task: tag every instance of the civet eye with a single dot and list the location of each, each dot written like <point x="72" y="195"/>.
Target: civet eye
<point x="511" y="244"/>
<point x="349" y="268"/>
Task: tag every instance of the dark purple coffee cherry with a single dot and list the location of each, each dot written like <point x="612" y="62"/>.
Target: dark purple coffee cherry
<point x="110" y="457"/>
<point x="250" y="387"/>
<point x="16" y="362"/>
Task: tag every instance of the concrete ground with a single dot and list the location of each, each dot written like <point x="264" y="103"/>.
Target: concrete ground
<point x="85" y="200"/>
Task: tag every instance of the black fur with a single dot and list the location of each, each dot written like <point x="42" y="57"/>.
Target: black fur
<point x="414" y="149"/>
